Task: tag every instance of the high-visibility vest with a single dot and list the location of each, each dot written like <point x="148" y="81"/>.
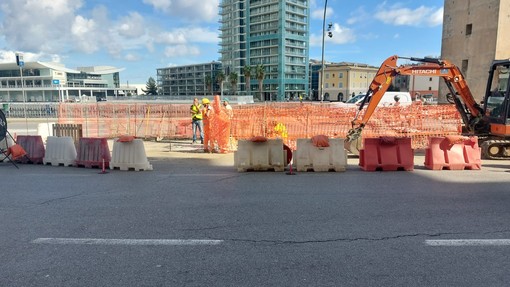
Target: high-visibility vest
<point x="195" y="110"/>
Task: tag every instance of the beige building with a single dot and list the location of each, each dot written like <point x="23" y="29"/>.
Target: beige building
<point x="343" y="80"/>
<point x="475" y="33"/>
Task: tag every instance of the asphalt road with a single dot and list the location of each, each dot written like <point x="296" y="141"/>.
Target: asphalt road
<point x="68" y="226"/>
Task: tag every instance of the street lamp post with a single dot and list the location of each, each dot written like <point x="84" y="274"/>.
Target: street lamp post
<point x="322" y="67"/>
<point x="20" y="62"/>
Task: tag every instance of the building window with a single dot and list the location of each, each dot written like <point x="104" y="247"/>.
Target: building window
<point x="333" y="85"/>
<point x="430" y="79"/>
<point x="333" y="76"/>
<point x="340" y="85"/>
<point x="327" y="76"/>
<point x="327" y="85"/>
<point x="464" y="67"/>
<point x="469" y="29"/>
<point x="341" y="75"/>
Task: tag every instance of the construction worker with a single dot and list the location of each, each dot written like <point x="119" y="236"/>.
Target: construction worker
<point x="196" y="120"/>
<point x="206" y="114"/>
<point x="397" y="99"/>
<point x="228" y="108"/>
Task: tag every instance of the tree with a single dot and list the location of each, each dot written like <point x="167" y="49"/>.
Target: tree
<point x="260" y="74"/>
<point x="220" y="77"/>
<point x="151" y="88"/>
<point x="232" y="78"/>
<point x="208" y="83"/>
<point x="247" y="76"/>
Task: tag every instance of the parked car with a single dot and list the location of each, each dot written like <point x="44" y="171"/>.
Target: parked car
<point x="387" y="99"/>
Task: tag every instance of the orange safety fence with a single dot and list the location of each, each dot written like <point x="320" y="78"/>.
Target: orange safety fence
<point x="288" y="121"/>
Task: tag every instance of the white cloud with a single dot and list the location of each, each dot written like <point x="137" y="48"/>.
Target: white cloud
<point x="131" y="26"/>
<point x="188" y="9"/>
<point x="436" y="18"/>
<point x="38" y="25"/>
<point x="131" y="57"/>
<point x="181" y="50"/>
<point x="81" y="29"/>
<point x="171" y="38"/>
<point x="399" y="16"/>
<point x="187" y="35"/>
<point x="357" y="16"/>
<point x="10" y="57"/>
<point x="341" y="35"/>
<point x="319" y="13"/>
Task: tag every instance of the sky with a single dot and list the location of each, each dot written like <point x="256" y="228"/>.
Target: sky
<point x="142" y="36"/>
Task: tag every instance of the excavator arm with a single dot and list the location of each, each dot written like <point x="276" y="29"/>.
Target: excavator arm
<point x="465" y="103"/>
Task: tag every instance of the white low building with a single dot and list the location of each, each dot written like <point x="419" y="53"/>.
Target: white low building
<point x="53" y="82"/>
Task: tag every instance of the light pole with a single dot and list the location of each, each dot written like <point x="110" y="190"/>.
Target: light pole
<point x="20" y="62"/>
<point x="322" y="66"/>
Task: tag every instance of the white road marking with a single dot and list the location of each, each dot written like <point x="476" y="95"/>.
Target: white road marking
<point x="99" y="241"/>
<point x="468" y="242"/>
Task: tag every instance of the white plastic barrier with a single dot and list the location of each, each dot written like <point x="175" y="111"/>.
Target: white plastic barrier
<point x="268" y="155"/>
<point x="129" y="156"/>
<point x="309" y="157"/>
<point x="60" y="151"/>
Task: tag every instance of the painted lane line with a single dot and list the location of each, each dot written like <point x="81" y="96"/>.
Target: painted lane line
<point x="99" y="241"/>
<point x="468" y="242"/>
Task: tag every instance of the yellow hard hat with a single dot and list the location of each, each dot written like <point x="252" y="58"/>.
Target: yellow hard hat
<point x="205" y="101"/>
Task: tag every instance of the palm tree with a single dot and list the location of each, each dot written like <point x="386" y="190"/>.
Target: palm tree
<point x="232" y="78"/>
<point x="247" y="76"/>
<point x="220" y="77"/>
<point x="259" y="74"/>
<point x="208" y="83"/>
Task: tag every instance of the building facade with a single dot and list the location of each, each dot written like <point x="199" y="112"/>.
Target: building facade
<point x="189" y="80"/>
<point x="475" y="33"/>
<point x="272" y="33"/>
<point x="53" y="82"/>
<point x="344" y="80"/>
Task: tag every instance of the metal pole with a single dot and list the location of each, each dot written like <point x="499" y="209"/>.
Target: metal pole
<point x="24" y="100"/>
<point x="323" y="34"/>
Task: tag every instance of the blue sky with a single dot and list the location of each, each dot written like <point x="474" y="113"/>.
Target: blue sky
<point x="144" y="35"/>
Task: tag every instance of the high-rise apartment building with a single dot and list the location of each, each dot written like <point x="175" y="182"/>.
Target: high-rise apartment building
<point x="189" y="80"/>
<point x="475" y="33"/>
<point x="272" y="33"/>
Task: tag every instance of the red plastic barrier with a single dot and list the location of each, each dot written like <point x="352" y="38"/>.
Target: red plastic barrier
<point x="445" y="153"/>
<point x="92" y="152"/>
<point x="34" y="147"/>
<point x="386" y="153"/>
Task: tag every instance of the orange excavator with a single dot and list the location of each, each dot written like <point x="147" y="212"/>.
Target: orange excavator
<point x="490" y="122"/>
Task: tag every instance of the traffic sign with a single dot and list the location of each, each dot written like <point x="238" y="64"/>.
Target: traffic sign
<point x="19" y="60"/>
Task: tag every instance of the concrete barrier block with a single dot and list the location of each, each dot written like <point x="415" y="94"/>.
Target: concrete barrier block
<point x="308" y="157"/>
<point x="60" y="151"/>
<point x="129" y="156"/>
<point x="260" y="156"/>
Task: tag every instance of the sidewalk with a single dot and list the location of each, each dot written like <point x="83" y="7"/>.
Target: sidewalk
<point x="183" y="149"/>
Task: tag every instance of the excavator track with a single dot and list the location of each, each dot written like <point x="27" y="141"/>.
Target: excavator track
<point x="495" y="149"/>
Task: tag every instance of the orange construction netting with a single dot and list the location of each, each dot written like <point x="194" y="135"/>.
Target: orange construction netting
<point x="288" y="121"/>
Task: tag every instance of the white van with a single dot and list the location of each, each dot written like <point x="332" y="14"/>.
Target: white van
<point x="387" y="99"/>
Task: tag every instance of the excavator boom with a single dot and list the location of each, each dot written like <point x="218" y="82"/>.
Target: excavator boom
<point x="470" y="111"/>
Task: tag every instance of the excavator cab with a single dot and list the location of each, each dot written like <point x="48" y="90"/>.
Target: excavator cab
<point x="497" y="99"/>
<point x="496" y="109"/>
